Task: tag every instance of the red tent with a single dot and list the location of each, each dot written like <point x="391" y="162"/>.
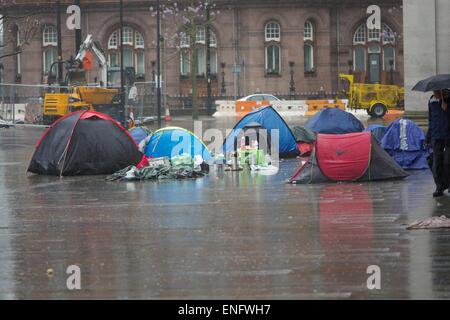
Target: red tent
<point x="348" y="157"/>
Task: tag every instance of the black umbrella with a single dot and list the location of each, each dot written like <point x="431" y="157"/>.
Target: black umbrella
<point x="438" y="82"/>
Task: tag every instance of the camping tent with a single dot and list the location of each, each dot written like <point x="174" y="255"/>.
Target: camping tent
<point x="174" y="141"/>
<point x="305" y="140"/>
<point x="377" y="130"/>
<point x="404" y="141"/>
<point x="84" y="143"/>
<point x="334" y="121"/>
<point x="139" y="134"/>
<point x="347" y="157"/>
<point x="269" y="120"/>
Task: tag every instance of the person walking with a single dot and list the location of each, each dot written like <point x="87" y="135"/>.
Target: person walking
<point x="438" y="136"/>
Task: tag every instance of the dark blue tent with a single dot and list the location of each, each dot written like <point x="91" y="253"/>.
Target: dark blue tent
<point x="269" y="120"/>
<point x="404" y="141"/>
<point x="139" y="134"/>
<point x="377" y="130"/>
<point x="334" y="121"/>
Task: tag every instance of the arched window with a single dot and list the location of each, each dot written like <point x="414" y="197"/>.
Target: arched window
<point x="199" y="51"/>
<point x="272" y="36"/>
<point x="50" y="52"/>
<point x="133" y="51"/>
<point x="272" y="31"/>
<point x="308" y="46"/>
<point x="308" y="33"/>
<point x="360" y="35"/>
<point x="374" y="51"/>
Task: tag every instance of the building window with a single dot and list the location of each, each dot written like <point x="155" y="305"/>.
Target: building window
<point x="308" y="32"/>
<point x="273" y="59"/>
<point x="388" y="36"/>
<point x="19" y="55"/>
<point x="200" y="53"/>
<point x="50" y="52"/>
<point x="133" y="51"/>
<point x="50" y="56"/>
<point x="308" y="47"/>
<point x="185" y="65"/>
<point x="374" y="35"/>
<point x="373" y="51"/>
<point x="359" y="59"/>
<point x="360" y="35"/>
<point x="112" y="42"/>
<point x="388" y="58"/>
<point x="50" y="36"/>
<point x="309" y="58"/>
<point x="272" y="32"/>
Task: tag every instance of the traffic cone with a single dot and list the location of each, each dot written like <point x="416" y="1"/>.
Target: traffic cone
<point x="168" y="117"/>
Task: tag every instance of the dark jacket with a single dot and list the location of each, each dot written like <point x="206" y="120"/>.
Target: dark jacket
<point x="438" y="121"/>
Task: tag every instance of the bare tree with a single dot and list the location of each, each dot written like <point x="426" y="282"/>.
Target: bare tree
<point x="17" y="29"/>
<point x="185" y="19"/>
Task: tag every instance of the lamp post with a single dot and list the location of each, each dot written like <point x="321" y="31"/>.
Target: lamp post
<point x="122" y="79"/>
<point x="208" y="60"/>
<point x="292" y="82"/>
<point x="59" y="41"/>
<point x="77" y="33"/>
<point x="158" y="60"/>
<point x="223" y="90"/>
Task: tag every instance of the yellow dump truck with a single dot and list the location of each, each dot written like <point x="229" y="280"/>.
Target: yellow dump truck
<point x="80" y="98"/>
<point x="377" y="99"/>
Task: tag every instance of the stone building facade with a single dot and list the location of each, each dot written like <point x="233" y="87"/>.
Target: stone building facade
<point x="271" y="42"/>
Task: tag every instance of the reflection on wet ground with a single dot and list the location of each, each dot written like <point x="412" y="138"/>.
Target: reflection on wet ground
<point x="229" y="235"/>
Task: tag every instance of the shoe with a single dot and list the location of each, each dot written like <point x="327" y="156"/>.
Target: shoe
<point x="438" y="193"/>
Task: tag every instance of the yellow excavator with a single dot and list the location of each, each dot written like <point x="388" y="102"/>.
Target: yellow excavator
<point x="76" y="95"/>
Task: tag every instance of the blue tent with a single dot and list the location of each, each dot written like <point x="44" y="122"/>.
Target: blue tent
<point x="334" y="121"/>
<point x="139" y="134"/>
<point x="404" y="141"/>
<point x="174" y="141"/>
<point x="377" y="130"/>
<point x="269" y="120"/>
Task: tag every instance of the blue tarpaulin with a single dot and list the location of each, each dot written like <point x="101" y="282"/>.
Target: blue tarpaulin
<point x="334" y="121"/>
<point x="404" y="141"/>
<point x="270" y="120"/>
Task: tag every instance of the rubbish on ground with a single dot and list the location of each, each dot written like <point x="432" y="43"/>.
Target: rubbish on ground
<point x="155" y="162"/>
<point x="430" y="223"/>
<point x="347" y="157"/>
<point x="179" y="167"/>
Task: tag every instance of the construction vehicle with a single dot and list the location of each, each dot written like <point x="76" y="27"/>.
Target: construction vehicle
<point x="74" y="94"/>
<point x="377" y="99"/>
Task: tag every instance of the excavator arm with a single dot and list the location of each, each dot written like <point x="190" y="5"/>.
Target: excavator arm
<point x="90" y="46"/>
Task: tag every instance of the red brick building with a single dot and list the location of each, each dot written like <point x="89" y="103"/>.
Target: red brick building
<point x="312" y="41"/>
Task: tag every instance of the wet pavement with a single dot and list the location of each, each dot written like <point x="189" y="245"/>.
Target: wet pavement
<point x="229" y="235"/>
